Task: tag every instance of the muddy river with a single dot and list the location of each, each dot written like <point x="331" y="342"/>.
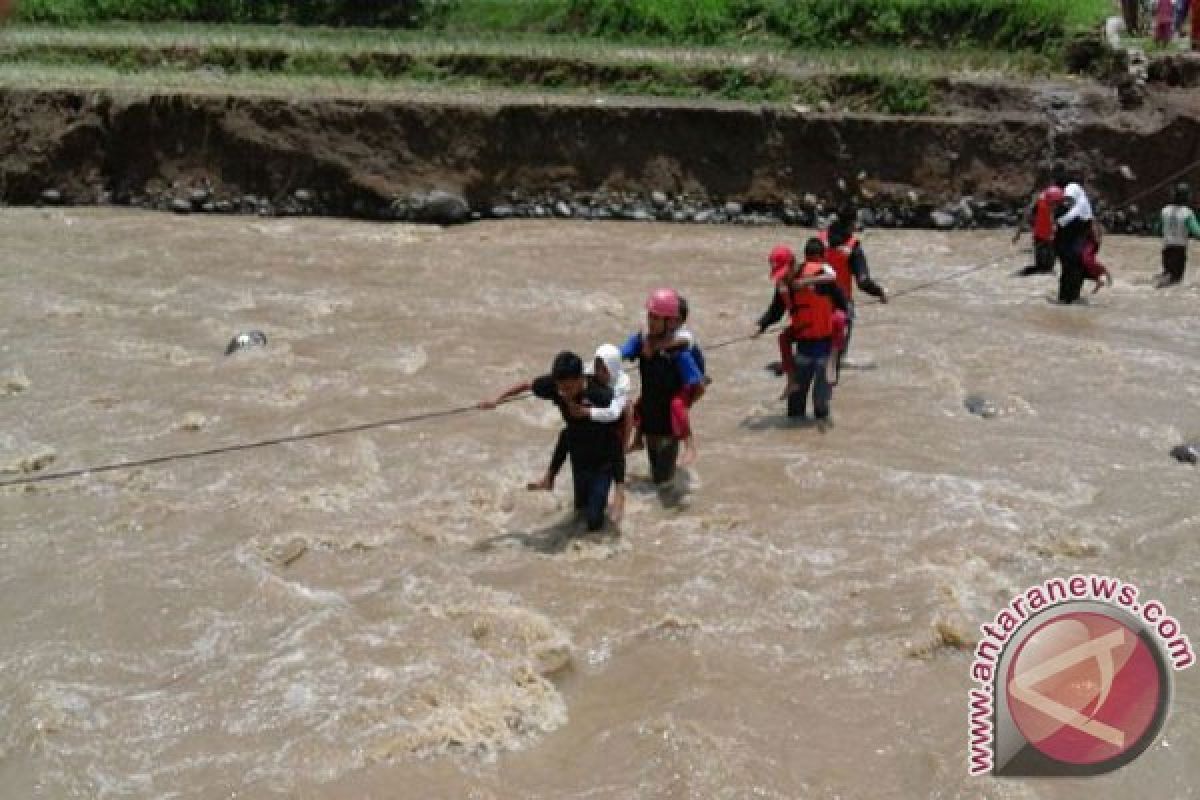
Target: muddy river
<point x="388" y="613"/>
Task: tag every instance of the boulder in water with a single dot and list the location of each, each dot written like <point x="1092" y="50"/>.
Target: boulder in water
<point x="980" y="406"/>
<point x="1186" y="453"/>
<point x="246" y="340"/>
<point x="440" y="208"/>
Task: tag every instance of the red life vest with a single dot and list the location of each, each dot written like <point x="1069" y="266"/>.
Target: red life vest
<point x="811" y="312"/>
<point x="839" y="258"/>
<point x="1043" y="219"/>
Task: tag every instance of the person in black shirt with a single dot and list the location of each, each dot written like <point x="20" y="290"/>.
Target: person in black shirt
<point x="594" y="448"/>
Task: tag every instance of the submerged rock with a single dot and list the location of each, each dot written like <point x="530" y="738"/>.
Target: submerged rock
<point x="246" y="340"/>
<point x="980" y="406"/>
<point x="1186" y="453"/>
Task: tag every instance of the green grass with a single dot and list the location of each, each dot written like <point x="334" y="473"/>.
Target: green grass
<point x="798" y="23"/>
<point x="1026" y="24"/>
<point x="891" y="80"/>
<point x="35" y="42"/>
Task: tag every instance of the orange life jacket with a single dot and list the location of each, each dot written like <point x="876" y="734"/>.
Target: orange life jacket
<point x="811" y="312"/>
<point x="839" y="258"/>
<point x="1043" y="220"/>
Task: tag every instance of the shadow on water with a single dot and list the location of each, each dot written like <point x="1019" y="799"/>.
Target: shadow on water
<point x="780" y="422"/>
<point x="553" y="539"/>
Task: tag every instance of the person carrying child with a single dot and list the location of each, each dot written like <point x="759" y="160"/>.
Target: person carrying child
<point x="809" y="294"/>
<point x="590" y="439"/>
<point x="670" y="376"/>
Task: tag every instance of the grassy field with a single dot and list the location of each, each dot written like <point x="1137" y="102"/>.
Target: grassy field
<point x="873" y="55"/>
<point x="796" y="23"/>
<point x="889" y="79"/>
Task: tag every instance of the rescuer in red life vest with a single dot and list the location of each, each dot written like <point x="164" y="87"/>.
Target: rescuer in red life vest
<point x="1041" y="218"/>
<point x="844" y="253"/>
<point x="810" y="295"/>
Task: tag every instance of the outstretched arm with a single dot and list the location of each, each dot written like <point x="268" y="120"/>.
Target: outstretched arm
<point x="773" y="314"/>
<point x="862" y="275"/>
<point x="507" y="394"/>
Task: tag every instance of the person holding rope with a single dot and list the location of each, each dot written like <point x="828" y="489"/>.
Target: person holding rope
<point x="1040" y="216"/>
<point x="1178" y="223"/>
<point x="844" y="253"/>
<point x="591" y="439"/>
<point x="810" y="295"/>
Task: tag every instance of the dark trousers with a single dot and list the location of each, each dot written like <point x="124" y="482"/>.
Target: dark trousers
<point x="591" y="493"/>
<point x="663" y="452"/>
<point x="1043" y="259"/>
<point x="1174" y="261"/>
<point x="811" y="360"/>
<point x="1070" y="279"/>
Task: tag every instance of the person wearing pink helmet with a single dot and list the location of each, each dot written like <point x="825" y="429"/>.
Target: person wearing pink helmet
<point x="666" y="370"/>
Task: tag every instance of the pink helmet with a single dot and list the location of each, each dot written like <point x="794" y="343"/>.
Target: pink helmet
<point x="780" y="259"/>
<point x="663" y="303"/>
<point x="1053" y="195"/>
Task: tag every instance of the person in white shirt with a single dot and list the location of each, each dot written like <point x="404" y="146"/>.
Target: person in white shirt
<point x="1178" y="223"/>
<point x="1072" y="234"/>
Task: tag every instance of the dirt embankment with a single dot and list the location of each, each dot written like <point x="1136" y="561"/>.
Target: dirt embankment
<point x="366" y="157"/>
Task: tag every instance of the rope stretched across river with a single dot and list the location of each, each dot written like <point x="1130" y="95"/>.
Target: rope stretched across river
<point x="366" y="426"/>
<point x="234" y="448"/>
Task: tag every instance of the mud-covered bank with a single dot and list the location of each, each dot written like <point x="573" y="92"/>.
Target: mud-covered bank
<point x="591" y="157"/>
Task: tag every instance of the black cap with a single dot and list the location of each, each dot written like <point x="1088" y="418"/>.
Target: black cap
<point x="566" y="365"/>
<point x="814" y="248"/>
<point x="841" y="228"/>
<point x="1059" y="175"/>
<point x="1182" y="194"/>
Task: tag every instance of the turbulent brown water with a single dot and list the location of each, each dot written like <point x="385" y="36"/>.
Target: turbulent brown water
<point x="390" y="614"/>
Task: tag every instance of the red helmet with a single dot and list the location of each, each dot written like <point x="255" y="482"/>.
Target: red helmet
<point x="780" y="259"/>
<point x="1053" y="195"/>
<point x="663" y="303"/>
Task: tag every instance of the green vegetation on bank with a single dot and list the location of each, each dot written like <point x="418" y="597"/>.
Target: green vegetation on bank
<point x="1026" y="24"/>
<point x="871" y="80"/>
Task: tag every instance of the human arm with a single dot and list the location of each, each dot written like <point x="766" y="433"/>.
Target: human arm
<point x="1078" y="205"/>
<point x="862" y="274"/>
<point x="613" y="411"/>
<point x="1025" y="221"/>
<point x="773" y="314"/>
<point x="825" y="275"/>
<point x="1193" y="225"/>
<point x="507" y="394"/>
<point x="689" y="373"/>
<point x="835" y="293"/>
<point x="632" y="347"/>
<point x="556" y="462"/>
